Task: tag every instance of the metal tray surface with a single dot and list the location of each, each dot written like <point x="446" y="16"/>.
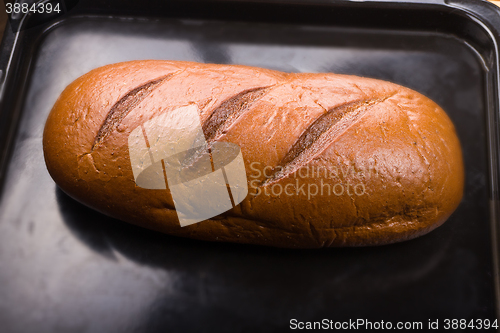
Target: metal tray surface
<point x="66" y="268"/>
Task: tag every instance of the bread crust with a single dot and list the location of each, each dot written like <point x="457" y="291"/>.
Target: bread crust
<point x="397" y="146"/>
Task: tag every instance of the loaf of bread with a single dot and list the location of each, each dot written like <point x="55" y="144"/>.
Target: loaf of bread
<point x="249" y="155"/>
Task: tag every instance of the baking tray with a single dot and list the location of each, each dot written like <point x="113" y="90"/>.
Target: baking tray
<point x="66" y="268"/>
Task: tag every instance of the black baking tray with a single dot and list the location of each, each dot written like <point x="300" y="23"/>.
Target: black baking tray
<point x="66" y="268"/>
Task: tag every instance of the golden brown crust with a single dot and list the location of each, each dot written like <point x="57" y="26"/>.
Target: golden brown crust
<point x="398" y="147"/>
